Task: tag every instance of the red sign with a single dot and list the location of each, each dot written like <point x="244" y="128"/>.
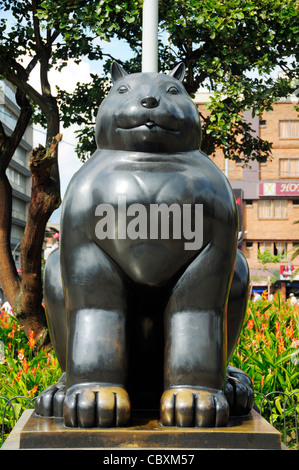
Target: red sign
<point x="287" y="271"/>
<point x="288" y="189"/>
<point x="279" y="189"/>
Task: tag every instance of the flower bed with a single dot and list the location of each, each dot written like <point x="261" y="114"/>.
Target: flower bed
<point x="23" y="373"/>
<point x="267" y="350"/>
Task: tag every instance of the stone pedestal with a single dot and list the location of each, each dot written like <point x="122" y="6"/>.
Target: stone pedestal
<point x="250" y="432"/>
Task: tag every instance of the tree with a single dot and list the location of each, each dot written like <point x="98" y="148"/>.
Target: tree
<point x="47" y="40"/>
<point x="235" y="49"/>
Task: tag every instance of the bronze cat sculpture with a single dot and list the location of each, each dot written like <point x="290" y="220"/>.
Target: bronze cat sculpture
<point x="143" y="316"/>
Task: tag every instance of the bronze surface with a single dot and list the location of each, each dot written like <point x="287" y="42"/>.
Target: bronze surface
<point x="247" y="432"/>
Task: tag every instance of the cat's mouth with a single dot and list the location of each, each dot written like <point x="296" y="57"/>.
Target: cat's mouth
<point x="151" y="125"/>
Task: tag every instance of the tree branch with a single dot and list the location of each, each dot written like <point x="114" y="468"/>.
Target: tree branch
<point x="38" y="38"/>
<point x="17" y="75"/>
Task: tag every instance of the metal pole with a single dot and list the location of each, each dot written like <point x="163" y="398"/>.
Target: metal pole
<point x="150" y="36"/>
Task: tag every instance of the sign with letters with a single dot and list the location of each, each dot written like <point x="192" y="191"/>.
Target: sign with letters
<point x="289" y="272"/>
<point x="279" y="189"/>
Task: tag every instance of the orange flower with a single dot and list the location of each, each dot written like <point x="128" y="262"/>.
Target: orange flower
<point x="25" y="365"/>
<point x="258" y="337"/>
<point x="13" y="329"/>
<point x="33" y="390"/>
<point x="18" y="376"/>
<point x="11" y="334"/>
<point x="289" y="331"/>
<point x="4" y="319"/>
<point x="250" y="324"/>
<point x="31" y="341"/>
<point x="281" y="345"/>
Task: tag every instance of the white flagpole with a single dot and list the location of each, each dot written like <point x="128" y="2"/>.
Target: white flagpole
<point x="150" y="36"/>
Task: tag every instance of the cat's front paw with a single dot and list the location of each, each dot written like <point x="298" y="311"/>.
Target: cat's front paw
<point x="187" y="407"/>
<point x="96" y="405"/>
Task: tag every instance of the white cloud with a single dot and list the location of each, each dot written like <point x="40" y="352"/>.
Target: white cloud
<point x="66" y="79"/>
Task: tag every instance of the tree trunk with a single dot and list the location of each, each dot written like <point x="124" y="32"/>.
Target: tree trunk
<point x="45" y="198"/>
<point x="25" y="293"/>
<point x="9" y="278"/>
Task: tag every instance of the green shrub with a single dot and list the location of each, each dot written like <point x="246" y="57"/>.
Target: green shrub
<point x="23" y="372"/>
<point x="268" y="351"/>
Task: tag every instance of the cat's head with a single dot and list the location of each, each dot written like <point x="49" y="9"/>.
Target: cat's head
<point x="148" y="112"/>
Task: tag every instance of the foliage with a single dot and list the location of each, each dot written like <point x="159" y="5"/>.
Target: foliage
<point x="24" y="372"/>
<point x="267" y="257"/>
<point x="268" y="351"/>
<point x="50" y="33"/>
<point x="235" y="49"/>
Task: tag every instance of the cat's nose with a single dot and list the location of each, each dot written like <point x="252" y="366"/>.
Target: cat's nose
<point x="149" y="102"/>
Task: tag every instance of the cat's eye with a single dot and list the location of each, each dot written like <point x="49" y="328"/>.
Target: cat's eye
<point x="173" y="90"/>
<point x="123" y="89"/>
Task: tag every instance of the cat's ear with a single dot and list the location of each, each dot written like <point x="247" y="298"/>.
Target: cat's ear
<point x="117" y="72"/>
<point x="178" y="72"/>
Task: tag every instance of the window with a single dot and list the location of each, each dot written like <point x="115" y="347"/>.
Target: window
<point x="20" y="155"/>
<point x="8" y="117"/>
<point x="263" y="122"/>
<point x="18" y="209"/>
<point x="265" y="246"/>
<point x="16" y="177"/>
<point x="288" y="167"/>
<point x="289" y="129"/>
<point x="272" y="252"/>
<point x="280" y="248"/>
<point x="273" y="209"/>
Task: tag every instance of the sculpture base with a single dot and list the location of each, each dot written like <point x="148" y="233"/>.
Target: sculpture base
<point x="250" y="432"/>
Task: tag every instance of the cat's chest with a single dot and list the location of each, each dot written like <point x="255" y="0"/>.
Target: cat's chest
<point x="150" y="180"/>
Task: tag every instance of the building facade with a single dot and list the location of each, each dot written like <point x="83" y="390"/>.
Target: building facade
<point x="268" y="200"/>
<point x="18" y="171"/>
